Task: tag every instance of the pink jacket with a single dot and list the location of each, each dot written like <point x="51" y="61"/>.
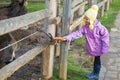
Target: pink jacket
<point x="97" y="39"/>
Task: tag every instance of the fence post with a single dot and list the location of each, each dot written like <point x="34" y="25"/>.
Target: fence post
<point x="64" y="45"/>
<point x="102" y="10"/>
<point x="107" y="5"/>
<point x="58" y="31"/>
<point x="91" y="2"/>
<point x="48" y="55"/>
<point x="81" y="10"/>
<point x="111" y="1"/>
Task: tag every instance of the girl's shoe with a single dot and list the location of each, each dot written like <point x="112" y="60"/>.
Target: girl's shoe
<point x="92" y="75"/>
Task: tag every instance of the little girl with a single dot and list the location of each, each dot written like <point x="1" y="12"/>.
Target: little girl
<point x="97" y="38"/>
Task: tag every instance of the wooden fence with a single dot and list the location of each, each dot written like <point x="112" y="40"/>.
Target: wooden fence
<point x="52" y="18"/>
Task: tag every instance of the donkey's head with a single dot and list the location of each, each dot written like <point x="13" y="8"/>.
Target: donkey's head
<point x="17" y="8"/>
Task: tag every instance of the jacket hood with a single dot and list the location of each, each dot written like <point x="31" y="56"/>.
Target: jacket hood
<point x="97" y="23"/>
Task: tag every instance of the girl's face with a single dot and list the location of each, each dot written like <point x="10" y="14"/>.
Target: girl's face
<point x="86" y="19"/>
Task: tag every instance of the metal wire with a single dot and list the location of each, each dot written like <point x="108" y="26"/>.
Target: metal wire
<point x="18" y="41"/>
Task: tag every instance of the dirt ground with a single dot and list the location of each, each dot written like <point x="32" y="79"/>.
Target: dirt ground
<point x="32" y="70"/>
<point x="80" y="55"/>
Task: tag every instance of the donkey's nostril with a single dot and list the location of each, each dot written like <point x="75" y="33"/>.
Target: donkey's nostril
<point x="42" y="36"/>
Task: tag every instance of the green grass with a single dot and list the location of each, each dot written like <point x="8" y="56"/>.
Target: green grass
<point x="75" y="71"/>
<point x="35" y="6"/>
<point x="32" y="6"/>
<point x="109" y="17"/>
<point x="80" y="41"/>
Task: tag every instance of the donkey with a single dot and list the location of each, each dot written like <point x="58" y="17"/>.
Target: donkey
<point x="16" y="8"/>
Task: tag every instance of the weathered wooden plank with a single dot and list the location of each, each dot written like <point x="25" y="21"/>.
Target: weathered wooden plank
<point x="46" y="55"/>
<point x="58" y="30"/>
<point x="77" y="7"/>
<point x="100" y="4"/>
<point x="76" y="2"/>
<point x="15" y="23"/>
<point x="4" y="3"/>
<point x="56" y="20"/>
<point x="80" y="7"/>
<point x="36" y="0"/>
<point x="107" y="5"/>
<point x="81" y="10"/>
<point x="9" y="69"/>
<point x="91" y="2"/>
<point x="64" y="45"/>
<point x="76" y="23"/>
<point x="103" y="10"/>
<point x="48" y="68"/>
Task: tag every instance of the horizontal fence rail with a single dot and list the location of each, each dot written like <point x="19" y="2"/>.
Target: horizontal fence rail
<point x="101" y="3"/>
<point x="76" y="23"/>
<point x="4" y="3"/>
<point x="15" y="23"/>
<point x="9" y="69"/>
<point x="77" y="7"/>
<point x="76" y="2"/>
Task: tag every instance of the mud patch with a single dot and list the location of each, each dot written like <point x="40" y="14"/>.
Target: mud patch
<point x="31" y="71"/>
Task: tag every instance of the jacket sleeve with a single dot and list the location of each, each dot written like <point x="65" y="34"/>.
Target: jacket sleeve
<point x="74" y="35"/>
<point x="104" y="39"/>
